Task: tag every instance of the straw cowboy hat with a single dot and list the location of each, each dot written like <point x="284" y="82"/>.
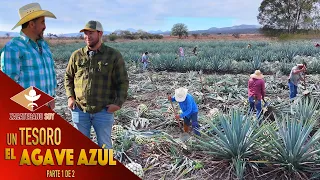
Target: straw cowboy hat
<point x="181" y="94"/>
<point x="300" y="65"/>
<point x="30" y="12"/>
<point x="257" y="75"/>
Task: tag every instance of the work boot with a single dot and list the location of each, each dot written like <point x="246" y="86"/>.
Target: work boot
<point x="186" y="128"/>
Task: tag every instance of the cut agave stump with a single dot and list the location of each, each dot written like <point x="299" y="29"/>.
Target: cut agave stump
<point x="269" y="114"/>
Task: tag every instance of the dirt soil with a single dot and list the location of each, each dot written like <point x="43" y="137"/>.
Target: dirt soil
<point x="220" y="92"/>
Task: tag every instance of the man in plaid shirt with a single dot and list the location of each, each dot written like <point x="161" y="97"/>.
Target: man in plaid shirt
<point x="96" y="83"/>
<point x="27" y="58"/>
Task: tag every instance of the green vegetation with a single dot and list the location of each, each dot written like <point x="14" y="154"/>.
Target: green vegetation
<point x="180" y="30"/>
<point x="214" y="56"/>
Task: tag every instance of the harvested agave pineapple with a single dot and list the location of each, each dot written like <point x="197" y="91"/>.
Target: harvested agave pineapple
<point x="117" y="130"/>
<point x="142" y="108"/>
<point x="141" y="140"/>
<point x="135" y="168"/>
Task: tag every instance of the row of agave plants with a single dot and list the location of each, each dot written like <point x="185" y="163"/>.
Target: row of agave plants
<point x="221" y="64"/>
<point x="222" y="56"/>
<point x="267" y="50"/>
<point x="286" y="148"/>
<point x="214" y="56"/>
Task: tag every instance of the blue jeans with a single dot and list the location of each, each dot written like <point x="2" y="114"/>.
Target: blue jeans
<point x="182" y="58"/>
<point x="258" y="106"/>
<point x="101" y="121"/>
<point x="145" y="64"/>
<point x="194" y="119"/>
<point x="293" y="90"/>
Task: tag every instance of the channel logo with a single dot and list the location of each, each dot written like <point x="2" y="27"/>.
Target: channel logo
<point x="32" y="98"/>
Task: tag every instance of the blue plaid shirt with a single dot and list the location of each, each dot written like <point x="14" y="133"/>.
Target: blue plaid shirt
<point x="29" y="63"/>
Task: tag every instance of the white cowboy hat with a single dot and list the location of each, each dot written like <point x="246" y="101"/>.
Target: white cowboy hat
<point x="181" y="94"/>
<point x="30" y="12"/>
<point x="257" y="75"/>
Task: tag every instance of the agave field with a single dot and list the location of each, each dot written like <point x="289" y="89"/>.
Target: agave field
<point x="217" y="56"/>
<point x="283" y="144"/>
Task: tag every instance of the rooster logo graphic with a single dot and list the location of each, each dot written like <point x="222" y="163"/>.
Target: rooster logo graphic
<point x="32" y="97"/>
<point x="29" y="96"/>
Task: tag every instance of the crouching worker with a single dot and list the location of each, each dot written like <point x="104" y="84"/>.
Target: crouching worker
<point x="256" y="92"/>
<point x="189" y="109"/>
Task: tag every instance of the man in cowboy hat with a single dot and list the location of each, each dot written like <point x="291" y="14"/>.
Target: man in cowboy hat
<point x="189" y="109"/>
<point x="96" y="83"/>
<point x="295" y="76"/>
<point x="256" y="92"/>
<point x="27" y="58"/>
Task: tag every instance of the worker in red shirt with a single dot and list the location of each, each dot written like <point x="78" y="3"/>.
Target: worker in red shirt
<point x="256" y="92"/>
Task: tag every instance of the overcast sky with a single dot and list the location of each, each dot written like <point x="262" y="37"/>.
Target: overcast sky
<point x="138" y="14"/>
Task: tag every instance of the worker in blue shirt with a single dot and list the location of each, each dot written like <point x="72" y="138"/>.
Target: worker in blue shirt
<point x="189" y="109"/>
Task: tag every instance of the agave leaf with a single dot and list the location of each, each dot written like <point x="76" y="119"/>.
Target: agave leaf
<point x="314" y="139"/>
<point x="289" y="145"/>
<point x="298" y="148"/>
<point x="275" y="141"/>
<point x="221" y="138"/>
<point x="234" y="138"/>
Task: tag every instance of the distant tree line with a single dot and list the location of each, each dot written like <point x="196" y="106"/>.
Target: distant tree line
<point x="115" y="35"/>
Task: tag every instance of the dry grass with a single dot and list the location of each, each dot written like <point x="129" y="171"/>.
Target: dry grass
<point x="52" y="42"/>
<point x="212" y="37"/>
